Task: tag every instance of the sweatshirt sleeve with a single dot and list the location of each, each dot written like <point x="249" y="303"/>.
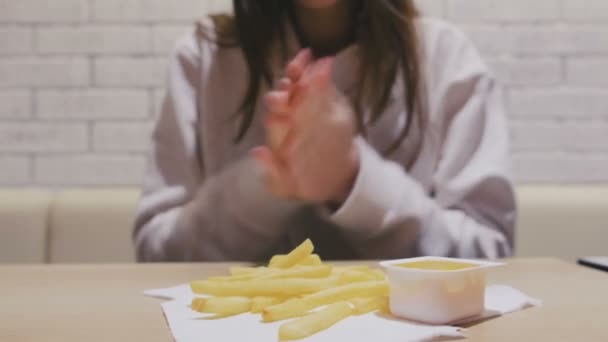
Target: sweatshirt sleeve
<point x="470" y="211"/>
<point x="184" y="215"/>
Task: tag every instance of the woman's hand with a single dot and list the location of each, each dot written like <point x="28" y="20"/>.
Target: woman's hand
<point x="311" y="154"/>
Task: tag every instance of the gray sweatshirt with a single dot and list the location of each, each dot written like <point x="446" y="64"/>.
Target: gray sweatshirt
<point x="204" y="198"/>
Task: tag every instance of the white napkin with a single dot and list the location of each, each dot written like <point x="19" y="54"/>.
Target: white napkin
<point x="187" y="325"/>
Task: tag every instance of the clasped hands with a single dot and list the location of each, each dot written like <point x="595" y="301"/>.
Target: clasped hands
<point x="310" y="153"/>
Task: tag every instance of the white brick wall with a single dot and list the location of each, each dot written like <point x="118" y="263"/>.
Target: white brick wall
<point x="14" y="170"/>
<point x="513" y="71"/>
<point x="16" y="40"/>
<point x="153" y="10"/>
<point x="89" y="169"/>
<point x="564" y="136"/>
<point x="587" y="71"/>
<point x="500" y="10"/>
<point x="95" y="104"/>
<point x="43" y="11"/>
<point x="15" y="104"/>
<point x="121" y="136"/>
<point x="99" y="40"/>
<point x="43" y="137"/>
<point x="559" y="103"/>
<point x="586" y="10"/>
<point x="82" y="80"/>
<point x="44" y="72"/>
<point x="130" y="72"/>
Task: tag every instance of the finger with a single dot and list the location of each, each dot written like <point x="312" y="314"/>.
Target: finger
<point x="277" y="101"/>
<point x="300" y="93"/>
<point x="297" y="66"/>
<point x="320" y="74"/>
<point x="315" y="78"/>
<point x="278" y="128"/>
<point x="325" y="68"/>
<point x="285" y="149"/>
<point x="312" y="94"/>
<point x="284" y="84"/>
<point x="276" y="119"/>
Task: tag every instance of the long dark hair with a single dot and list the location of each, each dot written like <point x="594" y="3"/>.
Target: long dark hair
<point x="386" y="33"/>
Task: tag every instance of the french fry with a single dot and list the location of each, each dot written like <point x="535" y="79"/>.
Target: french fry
<point x="298" y="307"/>
<point x="311" y="260"/>
<point x="363" y="306"/>
<point x="198" y="304"/>
<point x="239" y="270"/>
<point x="298" y="254"/>
<point x="264" y="287"/>
<point x="297" y="271"/>
<point x="258" y="304"/>
<point x="342" y="269"/>
<point x="359" y="273"/>
<point x="292" y="286"/>
<point x="245" y="276"/>
<point x="222" y="306"/>
<point x="353" y="276"/>
<point x="313" y="323"/>
<point x="320" y="271"/>
<point x="276" y="260"/>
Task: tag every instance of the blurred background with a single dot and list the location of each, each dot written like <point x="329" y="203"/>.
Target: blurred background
<point x="81" y="82"/>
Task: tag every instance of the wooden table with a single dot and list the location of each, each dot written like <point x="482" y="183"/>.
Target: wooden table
<point x="104" y="302"/>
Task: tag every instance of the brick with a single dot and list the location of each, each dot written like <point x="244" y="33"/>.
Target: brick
<point x="40" y="72"/>
<point x="433" y="8"/>
<point x="560" y="135"/>
<point x="538" y="40"/>
<point x="93" y="104"/>
<point x="559" y="102"/>
<point x="74" y="170"/>
<point x="542" y="167"/>
<point x="222" y="6"/>
<point x="16" y="41"/>
<point x="43" y="11"/>
<point x="527" y="71"/>
<point x="587" y="71"/>
<point x="122" y="136"/>
<point x="138" y="72"/>
<point x="42" y="137"/>
<point x="500" y="10"/>
<point x="165" y="37"/>
<point x="587" y="39"/>
<point x="585" y="10"/>
<point x="15" y="104"/>
<point x="530" y="135"/>
<point x="97" y="40"/>
<point x="517" y="40"/>
<point x="14" y="170"/>
<point x="156" y="10"/>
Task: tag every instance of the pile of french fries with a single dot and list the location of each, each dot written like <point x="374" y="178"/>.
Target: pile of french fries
<point x="297" y="287"/>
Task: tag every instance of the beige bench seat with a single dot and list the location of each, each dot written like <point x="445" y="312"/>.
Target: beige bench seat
<point x="23" y="225"/>
<point x="92" y="226"/>
<point x="81" y="226"/>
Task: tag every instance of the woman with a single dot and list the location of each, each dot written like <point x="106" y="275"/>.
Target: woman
<point x="386" y="138"/>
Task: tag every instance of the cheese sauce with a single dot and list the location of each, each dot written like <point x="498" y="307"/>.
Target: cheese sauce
<point x="437" y="265"/>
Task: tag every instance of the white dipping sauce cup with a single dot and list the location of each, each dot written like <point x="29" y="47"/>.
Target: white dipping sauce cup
<point x="437" y="296"/>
